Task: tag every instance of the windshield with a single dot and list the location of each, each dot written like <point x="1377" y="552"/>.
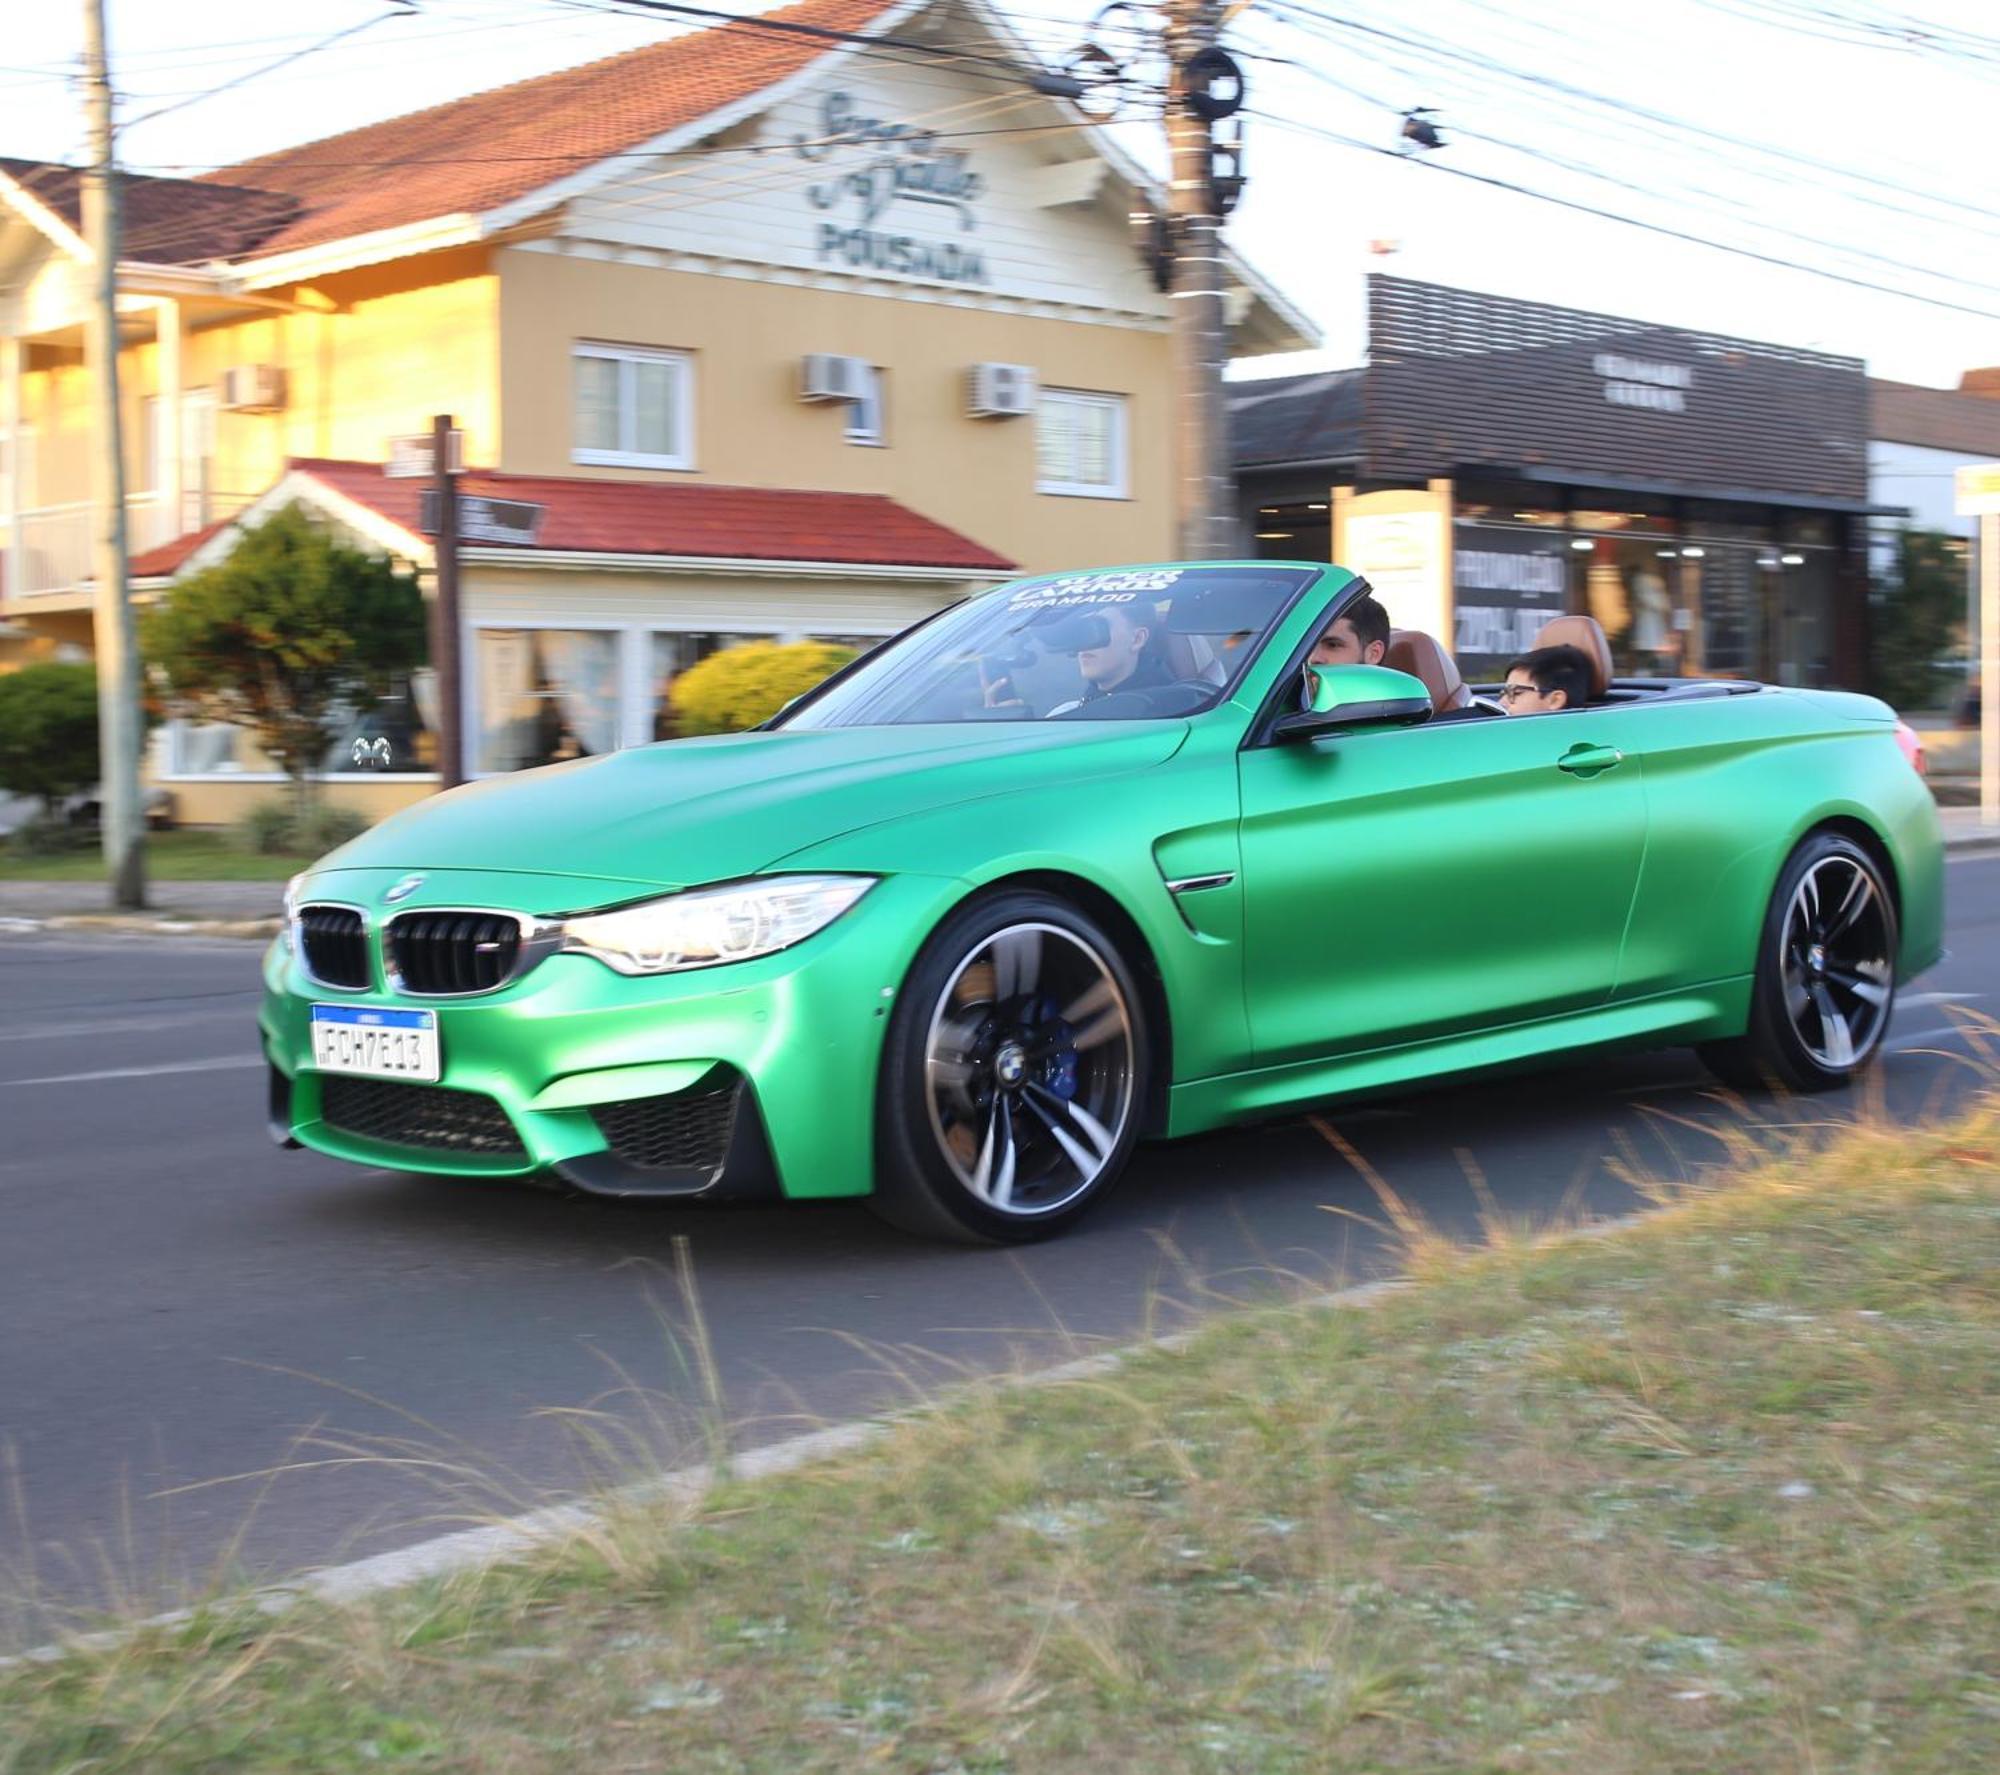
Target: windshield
<point x="1130" y="644"/>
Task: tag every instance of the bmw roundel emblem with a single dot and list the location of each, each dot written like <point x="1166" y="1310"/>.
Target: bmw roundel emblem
<point x="403" y="889"/>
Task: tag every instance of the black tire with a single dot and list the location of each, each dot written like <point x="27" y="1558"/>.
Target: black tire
<point x="1013" y="1076"/>
<point x="1826" y="974"/>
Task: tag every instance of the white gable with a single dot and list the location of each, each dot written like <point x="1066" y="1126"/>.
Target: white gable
<point x="921" y="179"/>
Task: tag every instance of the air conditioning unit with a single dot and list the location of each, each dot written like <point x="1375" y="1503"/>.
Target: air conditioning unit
<point x="1001" y="391"/>
<point x="826" y="376"/>
<point x="253" y="388"/>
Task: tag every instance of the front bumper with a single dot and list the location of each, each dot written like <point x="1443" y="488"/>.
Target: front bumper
<point x="756" y="1074"/>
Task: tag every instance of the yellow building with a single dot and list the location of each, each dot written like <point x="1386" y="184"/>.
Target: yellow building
<point x="859" y="328"/>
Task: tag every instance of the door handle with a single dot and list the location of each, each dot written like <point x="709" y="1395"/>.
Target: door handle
<point x="1585" y="760"/>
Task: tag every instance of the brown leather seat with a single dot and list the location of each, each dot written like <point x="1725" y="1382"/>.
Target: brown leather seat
<point x="1586" y="635"/>
<point x="1412" y="651"/>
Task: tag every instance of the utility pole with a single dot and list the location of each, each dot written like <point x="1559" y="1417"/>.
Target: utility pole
<point x="444" y="607"/>
<point x="1204" y="88"/>
<point x="118" y="725"/>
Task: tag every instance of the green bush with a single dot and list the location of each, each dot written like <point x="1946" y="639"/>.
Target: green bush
<point x="328" y="828"/>
<point x="735" y="689"/>
<point x="48" y="731"/>
<point x="48" y="837"/>
<point x="269" y="829"/>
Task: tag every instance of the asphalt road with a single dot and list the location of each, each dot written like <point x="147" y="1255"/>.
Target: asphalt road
<point x="184" y="1309"/>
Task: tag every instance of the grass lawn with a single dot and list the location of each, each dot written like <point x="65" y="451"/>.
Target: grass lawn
<point x="190" y="854"/>
<point x="1720" y="1492"/>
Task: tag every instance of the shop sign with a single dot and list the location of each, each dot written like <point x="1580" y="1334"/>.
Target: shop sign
<point x="877" y="171"/>
<point x="415" y="457"/>
<point x="481" y="519"/>
<point x="1638" y="382"/>
<point x="1402" y="555"/>
<point x="1506" y="585"/>
<point x="1978" y="487"/>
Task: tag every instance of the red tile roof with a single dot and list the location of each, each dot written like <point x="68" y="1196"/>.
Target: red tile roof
<point x="163" y="559"/>
<point x="165" y="221"/>
<point x="476" y="153"/>
<point x="685" y="518"/>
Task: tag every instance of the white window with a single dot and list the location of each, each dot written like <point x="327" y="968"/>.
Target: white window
<point x="633" y="407"/>
<point x="867" y="413"/>
<point x="1080" y="444"/>
<point x="545" y="695"/>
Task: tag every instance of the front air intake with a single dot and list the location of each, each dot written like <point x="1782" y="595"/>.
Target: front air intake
<point x="432" y="1117"/>
<point x="442" y="953"/>
<point x="334" y="942"/>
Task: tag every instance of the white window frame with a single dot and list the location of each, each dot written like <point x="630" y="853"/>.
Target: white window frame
<point x="868" y="416"/>
<point x="1118" y="487"/>
<point x="628" y="455"/>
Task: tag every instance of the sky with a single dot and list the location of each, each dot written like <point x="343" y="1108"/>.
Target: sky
<point x="1857" y="136"/>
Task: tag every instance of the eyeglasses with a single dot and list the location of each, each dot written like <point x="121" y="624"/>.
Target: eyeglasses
<point x="1513" y="693"/>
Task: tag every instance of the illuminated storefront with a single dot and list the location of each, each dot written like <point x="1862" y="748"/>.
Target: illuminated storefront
<point x="1705" y="498"/>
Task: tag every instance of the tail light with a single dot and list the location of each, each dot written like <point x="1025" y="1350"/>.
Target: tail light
<point x="1913" y="748"/>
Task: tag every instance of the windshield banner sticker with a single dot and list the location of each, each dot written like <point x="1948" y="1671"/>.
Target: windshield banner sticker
<point x="1093" y="588"/>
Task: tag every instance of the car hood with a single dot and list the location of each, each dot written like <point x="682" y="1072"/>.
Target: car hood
<point x="691" y="811"/>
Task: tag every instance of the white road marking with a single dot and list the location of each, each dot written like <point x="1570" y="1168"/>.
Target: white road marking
<point x="223" y="1063"/>
<point x="1910" y="999"/>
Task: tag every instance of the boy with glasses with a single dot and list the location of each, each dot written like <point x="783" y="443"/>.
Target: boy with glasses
<point x="1546" y="680"/>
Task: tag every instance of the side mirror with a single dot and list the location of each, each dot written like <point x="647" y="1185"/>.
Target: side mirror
<point x="1344" y="697"/>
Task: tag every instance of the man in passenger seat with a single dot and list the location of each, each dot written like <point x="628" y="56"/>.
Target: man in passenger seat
<point x="1546" y="680"/>
<point x="1358" y="636"/>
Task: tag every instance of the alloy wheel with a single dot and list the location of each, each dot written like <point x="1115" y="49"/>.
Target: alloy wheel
<point x="1835" y="964"/>
<point x="1029" y="1069"/>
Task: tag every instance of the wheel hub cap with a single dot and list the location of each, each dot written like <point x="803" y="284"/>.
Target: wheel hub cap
<point x="1010" y="1065"/>
<point x="1816" y="958"/>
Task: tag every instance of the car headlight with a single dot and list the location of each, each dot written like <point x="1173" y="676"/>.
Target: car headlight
<point x="289" y="935"/>
<point x="709" y="926"/>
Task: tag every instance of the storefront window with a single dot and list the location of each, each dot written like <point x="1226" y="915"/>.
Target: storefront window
<point x="1802" y="632"/>
<point x="545" y="695"/>
<point x="673" y="652"/>
<point x="1629" y="585"/>
<point x="1507" y="582"/>
<point x="397" y="737"/>
<point x="1302" y="531"/>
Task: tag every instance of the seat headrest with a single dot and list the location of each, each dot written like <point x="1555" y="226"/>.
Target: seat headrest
<point x="1412" y="651"/>
<point x="1586" y="635"/>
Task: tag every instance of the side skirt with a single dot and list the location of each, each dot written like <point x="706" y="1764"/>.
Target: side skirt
<point x="1696" y="1014"/>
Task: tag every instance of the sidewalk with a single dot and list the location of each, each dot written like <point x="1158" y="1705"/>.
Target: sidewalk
<point x="201" y="908"/>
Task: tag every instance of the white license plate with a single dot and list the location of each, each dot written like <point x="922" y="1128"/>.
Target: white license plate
<point x="376" y="1044"/>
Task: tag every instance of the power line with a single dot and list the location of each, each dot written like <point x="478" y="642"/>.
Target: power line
<point x="402" y="9"/>
<point x="1580" y="169"/>
<point x="1679" y="125"/>
<point x="1587" y="209"/>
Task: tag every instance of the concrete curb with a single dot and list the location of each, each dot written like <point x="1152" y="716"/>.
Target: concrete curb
<point x="146" y="924"/>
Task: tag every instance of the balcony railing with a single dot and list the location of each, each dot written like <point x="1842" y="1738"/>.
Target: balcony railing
<point x="56" y="540"/>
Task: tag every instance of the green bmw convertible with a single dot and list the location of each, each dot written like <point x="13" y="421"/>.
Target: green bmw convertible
<point x="1084" y="860"/>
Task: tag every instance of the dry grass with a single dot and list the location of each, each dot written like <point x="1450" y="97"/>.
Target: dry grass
<point x="1719" y="1491"/>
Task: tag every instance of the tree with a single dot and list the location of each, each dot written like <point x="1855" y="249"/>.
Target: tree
<point x="1918" y="612"/>
<point x="289" y="636"/>
<point x="735" y="689"/>
<point x="48" y="732"/>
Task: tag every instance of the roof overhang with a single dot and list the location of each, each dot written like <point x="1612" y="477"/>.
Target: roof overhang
<point x="303" y="487"/>
<point x="30" y="208"/>
<point x="1572" y="477"/>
